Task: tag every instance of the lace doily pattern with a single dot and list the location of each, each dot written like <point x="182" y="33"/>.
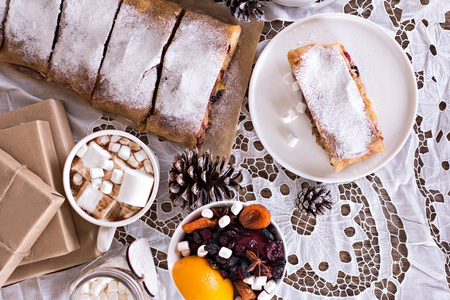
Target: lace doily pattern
<point x="360" y="248"/>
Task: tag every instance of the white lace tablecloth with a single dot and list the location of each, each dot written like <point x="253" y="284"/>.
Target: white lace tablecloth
<point x="387" y="235"/>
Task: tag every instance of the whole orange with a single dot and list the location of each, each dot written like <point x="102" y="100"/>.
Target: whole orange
<point x="196" y="279"/>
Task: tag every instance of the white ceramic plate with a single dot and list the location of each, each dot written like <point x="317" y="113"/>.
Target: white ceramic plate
<point x="385" y="71"/>
<point x="294" y="3"/>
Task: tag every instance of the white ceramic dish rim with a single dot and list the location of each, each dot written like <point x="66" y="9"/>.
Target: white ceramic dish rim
<point x="298" y="3"/>
<point x="173" y="255"/>
<point x="258" y="68"/>
<point x="66" y="178"/>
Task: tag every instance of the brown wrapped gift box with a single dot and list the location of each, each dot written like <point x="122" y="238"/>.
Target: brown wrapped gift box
<point x="31" y="144"/>
<point x="27" y="205"/>
<point x="53" y="112"/>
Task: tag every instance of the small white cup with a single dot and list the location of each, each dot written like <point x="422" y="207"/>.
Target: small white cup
<point x="108" y="228"/>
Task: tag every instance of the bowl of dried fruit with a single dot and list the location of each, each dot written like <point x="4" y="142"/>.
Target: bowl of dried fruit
<point x="239" y="240"/>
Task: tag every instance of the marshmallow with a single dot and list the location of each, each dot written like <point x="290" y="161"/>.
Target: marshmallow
<point x="123" y="297"/>
<point x="236" y="208"/>
<point x="250" y="280"/>
<point x="104" y="279"/>
<point x="96" y="288"/>
<point x="261" y="280"/>
<point x="89" y="198"/>
<point x="83" y="297"/>
<point x="113" y="296"/>
<point x="186" y="253"/>
<point x="106" y="187"/>
<point x="95" y="155"/>
<point x="124" y="141"/>
<point x="96" y="183"/>
<point x="107" y="165"/>
<point x="82" y="151"/>
<point x="292" y="114"/>
<point x="207" y="213"/>
<point x="136" y="187"/>
<point x="288" y="78"/>
<point x="112" y="287"/>
<point x="140" y="155"/>
<point x="77" y="179"/>
<point x="270" y="286"/>
<point x="97" y="297"/>
<point x="134" y="146"/>
<point x="301" y="107"/>
<point x="114" y="147"/>
<point x="183" y="246"/>
<point x="292" y="140"/>
<point x="226" y="253"/>
<point x="102" y="140"/>
<point x="201" y="252"/>
<point x="224" y="221"/>
<point x="84" y="289"/>
<point x="295" y="86"/>
<point x="286" y="118"/>
<point x="96" y="173"/>
<point x="124" y="152"/>
<point x="115" y="138"/>
<point x="263" y="296"/>
<point x="117" y="176"/>
<point x="148" y="166"/>
<point x="256" y="287"/>
<point x="133" y="162"/>
<point x="122" y="288"/>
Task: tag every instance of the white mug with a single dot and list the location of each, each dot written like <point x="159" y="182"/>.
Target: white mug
<point x="108" y="228"/>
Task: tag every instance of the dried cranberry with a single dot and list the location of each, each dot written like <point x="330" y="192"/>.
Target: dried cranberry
<point x="277" y="272"/>
<point x="239" y="250"/>
<point x="193" y="247"/>
<point x="274" y="250"/>
<point x="206" y="234"/>
<point x="231" y="244"/>
<point x="252" y="245"/>
<point x="197" y="238"/>
<point x="233" y="234"/>
<point x="223" y="240"/>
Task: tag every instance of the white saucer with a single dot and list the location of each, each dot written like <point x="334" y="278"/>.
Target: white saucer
<point x="385" y="71"/>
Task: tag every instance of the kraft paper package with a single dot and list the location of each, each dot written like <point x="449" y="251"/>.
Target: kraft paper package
<point x="27" y="205"/>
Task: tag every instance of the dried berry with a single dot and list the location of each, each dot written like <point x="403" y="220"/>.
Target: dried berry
<point x="224" y="274"/>
<point x="272" y="229"/>
<point x="231" y="244"/>
<point x="223" y="240"/>
<point x="206" y="234"/>
<point x="244" y="268"/>
<point x="239" y="250"/>
<point x="197" y="238"/>
<point x="212" y="249"/>
<point x="277" y="272"/>
<point x="267" y="234"/>
<point x="274" y="250"/>
<point x="221" y="260"/>
<point x="232" y="261"/>
<point x="255" y="216"/>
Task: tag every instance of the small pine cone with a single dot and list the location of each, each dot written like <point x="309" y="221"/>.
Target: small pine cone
<point x="246" y="10"/>
<point x="313" y="201"/>
<point x="198" y="180"/>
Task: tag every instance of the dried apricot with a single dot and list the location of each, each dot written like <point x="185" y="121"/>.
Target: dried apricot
<point x="255" y="216"/>
<point x="201" y="223"/>
<point x="245" y="290"/>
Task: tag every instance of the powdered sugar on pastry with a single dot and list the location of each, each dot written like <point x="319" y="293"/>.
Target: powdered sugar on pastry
<point x="190" y="69"/>
<point x="128" y="75"/>
<point x="29" y="31"/>
<point x="83" y="30"/>
<point x="334" y="101"/>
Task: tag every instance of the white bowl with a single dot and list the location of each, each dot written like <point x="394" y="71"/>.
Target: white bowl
<point x="174" y="255"/>
<point x="68" y="191"/>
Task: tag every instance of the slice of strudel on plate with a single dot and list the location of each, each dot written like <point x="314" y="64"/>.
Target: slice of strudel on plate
<point x="342" y="116"/>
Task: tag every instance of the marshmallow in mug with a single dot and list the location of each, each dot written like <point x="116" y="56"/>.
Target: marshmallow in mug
<point x="111" y="179"/>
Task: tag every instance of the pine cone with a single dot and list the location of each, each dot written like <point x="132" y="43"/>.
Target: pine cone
<point x="313" y="200"/>
<point x="246" y="10"/>
<point x="195" y="181"/>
